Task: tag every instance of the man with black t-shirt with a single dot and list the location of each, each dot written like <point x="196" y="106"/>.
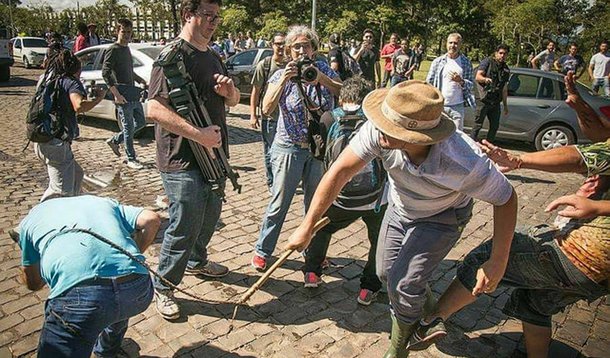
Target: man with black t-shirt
<point x="368" y="58"/>
<point x="492" y="76"/>
<point x="194" y="209"/>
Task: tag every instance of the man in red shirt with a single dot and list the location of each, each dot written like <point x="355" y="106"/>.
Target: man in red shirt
<point x="81" y="41"/>
<point x="386" y="53"/>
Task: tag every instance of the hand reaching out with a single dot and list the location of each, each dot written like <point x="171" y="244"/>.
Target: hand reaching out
<point x="505" y="160"/>
<point x="577" y="207"/>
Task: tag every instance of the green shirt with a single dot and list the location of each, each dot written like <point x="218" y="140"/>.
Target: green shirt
<point x="261" y="78"/>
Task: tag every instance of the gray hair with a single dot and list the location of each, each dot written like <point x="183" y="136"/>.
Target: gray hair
<point x="455" y="34"/>
<point x="302" y="30"/>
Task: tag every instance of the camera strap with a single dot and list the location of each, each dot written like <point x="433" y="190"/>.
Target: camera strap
<point x="314" y="111"/>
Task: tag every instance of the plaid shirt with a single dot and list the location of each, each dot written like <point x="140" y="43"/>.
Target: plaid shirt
<point x="435" y="76"/>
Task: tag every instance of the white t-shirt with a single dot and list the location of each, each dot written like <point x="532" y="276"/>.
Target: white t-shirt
<point x="601" y="63"/>
<point x="455" y="171"/>
<point x="452" y="91"/>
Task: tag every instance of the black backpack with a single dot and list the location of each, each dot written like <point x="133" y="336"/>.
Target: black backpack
<point x="348" y="66"/>
<point x="367" y="186"/>
<point x="44" y="121"/>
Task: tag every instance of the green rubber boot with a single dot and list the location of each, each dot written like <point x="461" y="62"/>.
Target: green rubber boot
<point x="401" y="331"/>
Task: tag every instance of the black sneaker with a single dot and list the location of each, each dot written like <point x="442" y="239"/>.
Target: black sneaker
<point x="426" y="335"/>
<point x="114" y="146"/>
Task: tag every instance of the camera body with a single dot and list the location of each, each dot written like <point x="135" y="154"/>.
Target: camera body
<point x="306" y="69"/>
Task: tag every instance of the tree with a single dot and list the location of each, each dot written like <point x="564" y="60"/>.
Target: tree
<point x="272" y="22"/>
<point x="236" y="19"/>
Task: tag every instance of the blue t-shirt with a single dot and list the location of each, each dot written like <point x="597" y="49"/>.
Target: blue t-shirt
<point x="70" y="85"/>
<point x="68" y="258"/>
<point x="292" y="125"/>
<point x="570" y="63"/>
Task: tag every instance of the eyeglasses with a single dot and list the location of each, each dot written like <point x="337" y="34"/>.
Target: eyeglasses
<point x="210" y="16"/>
<point x="301" y="45"/>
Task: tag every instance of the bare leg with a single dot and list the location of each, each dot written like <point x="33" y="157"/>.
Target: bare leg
<point x="537" y="340"/>
<point x="454" y="299"/>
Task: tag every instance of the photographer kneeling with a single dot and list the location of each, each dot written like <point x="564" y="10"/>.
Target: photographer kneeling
<point x="303" y="91"/>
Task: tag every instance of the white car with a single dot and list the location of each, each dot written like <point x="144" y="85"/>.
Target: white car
<point x="29" y="51"/>
<point x="91" y="58"/>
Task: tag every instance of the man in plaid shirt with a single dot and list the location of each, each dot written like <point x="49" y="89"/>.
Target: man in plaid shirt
<point x="452" y="74"/>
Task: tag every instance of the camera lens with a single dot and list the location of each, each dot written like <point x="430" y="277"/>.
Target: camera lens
<point x="309" y="74"/>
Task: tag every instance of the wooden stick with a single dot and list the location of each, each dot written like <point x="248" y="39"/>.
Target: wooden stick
<point x="257" y="285"/>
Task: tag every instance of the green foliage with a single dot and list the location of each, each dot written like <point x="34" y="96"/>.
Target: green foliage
<point x="236" y="19"/>
<point x="272" y="22"/>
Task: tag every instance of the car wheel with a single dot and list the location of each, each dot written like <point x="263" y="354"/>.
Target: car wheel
<point x="5" y="73"/>
<point x="554" y="137"/>
<point x="26" y="63"/>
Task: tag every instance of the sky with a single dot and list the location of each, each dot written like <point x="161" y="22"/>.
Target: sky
<point x="59" y="5"/>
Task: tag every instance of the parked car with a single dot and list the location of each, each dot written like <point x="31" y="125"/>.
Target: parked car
<point x="91" y="58"/>
<point x="241" y="67"/>
<point x="29" y="51"/>
<point x="537" y="110"/>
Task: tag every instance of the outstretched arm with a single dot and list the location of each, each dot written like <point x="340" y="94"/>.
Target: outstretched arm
<point x="593" y="126"/>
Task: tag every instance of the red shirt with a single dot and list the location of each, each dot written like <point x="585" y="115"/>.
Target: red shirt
<point x="80" y="43"/>
<point x="389" y="49"/>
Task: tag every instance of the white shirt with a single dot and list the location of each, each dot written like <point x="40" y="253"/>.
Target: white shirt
<point x="455" y="171"/>
<point x="452" y="91"/>
<point x="601" y="63"/>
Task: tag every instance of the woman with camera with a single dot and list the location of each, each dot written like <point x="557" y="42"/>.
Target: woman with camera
<point x="303" y="90"/>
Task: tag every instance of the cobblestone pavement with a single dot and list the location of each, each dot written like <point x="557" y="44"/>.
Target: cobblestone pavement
<point x="285" y="320"/>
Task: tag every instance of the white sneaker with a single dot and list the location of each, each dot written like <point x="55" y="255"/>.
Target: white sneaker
<point x="166" y="304"/>
<point x="134" y="164"/>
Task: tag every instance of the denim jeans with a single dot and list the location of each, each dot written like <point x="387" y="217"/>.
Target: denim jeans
<point x="291" y="164"/>
<point x="131" y="115"/>
<point x="268" y="129"/>
<point x="339" y="219"/>
<point x="409" y="251"/>
<point x="396" y="79"/>
<point x="492" y="112"/>
<point x="601" y="82"/>
<point x="92" y="317"/>
<point x="65" y="174"/>
<point x="194" y="209"/>
<point x="456" y="112"/>
<point x="545" y="280"/>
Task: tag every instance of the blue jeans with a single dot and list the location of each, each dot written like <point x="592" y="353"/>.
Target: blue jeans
<point x="601" y="82"/>
<point x="291" y="164"/>
<point x="92" y="317"/>
<point x="194" y="210"/>
<point x="396" y="79"/>
<point x="132" y="119"/>
<point x="409" y="251"/>
<point x="456" y="112"/>
<point x="268" y="129"/>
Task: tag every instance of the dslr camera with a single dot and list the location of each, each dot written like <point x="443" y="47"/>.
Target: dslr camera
<point x="306" y="70"/>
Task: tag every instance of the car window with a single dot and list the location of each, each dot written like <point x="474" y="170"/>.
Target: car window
<point x="87" y="60"/>
<point x="244" y="59"/>
<point x="152" y="52"/>
<point x="35" y="43"/>
<point x="523" y="85"/>
<point x="17" y="43"/>
<point x="136" y="62"/>
<point x="546" y="89"/>
<point x="266" y="54"/>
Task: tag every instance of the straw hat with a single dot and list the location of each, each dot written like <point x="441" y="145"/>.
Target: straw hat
<point x="411" y="111"/>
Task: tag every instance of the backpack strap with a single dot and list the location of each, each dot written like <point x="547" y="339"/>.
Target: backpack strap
<point x="266" y="71"/>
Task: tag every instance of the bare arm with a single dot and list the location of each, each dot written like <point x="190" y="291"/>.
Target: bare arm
<point x="147" y="223"/>
<point x="579" y="207"/>
<point x="333" y="84"/>
<point x="480" y="77"/>
<point x="590" y="68"/>
<point x="346" y="166"/>
<point x="274" y="90"/>
<point x="556" y="160"/>
<point x="254" y="97"/>
<point x="31" y="277"/>
<point x="81" y="104"/>
<point x="492" y="271"/>
<point x="160" y="112"/>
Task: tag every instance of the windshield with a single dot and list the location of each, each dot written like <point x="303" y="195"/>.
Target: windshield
<point x="152" y="52"/>
<point x="35" y="43"/>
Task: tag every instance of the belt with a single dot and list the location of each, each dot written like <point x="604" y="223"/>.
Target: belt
<point x="108" y="281"/>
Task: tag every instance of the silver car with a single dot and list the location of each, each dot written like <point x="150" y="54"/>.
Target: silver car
<point x="91" y="58"/>
<point x="241" y="67"/>
<point x="537" y="110"/>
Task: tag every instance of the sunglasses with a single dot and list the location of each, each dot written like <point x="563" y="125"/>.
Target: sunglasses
<point x="279" y="44"/>
<point x="210" y="16"/>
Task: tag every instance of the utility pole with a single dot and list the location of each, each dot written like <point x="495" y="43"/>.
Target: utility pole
<point x="313" y="15"/>
<point x="10" y="15"/>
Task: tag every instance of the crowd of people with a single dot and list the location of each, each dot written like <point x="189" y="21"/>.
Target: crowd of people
<point x="395" y="157"/>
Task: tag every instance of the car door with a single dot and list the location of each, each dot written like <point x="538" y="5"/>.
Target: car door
<point x="241" y="69"/>
<point x="531" y="99"/>
<point x="91" y="64"/>
<point x="17" y="50"/>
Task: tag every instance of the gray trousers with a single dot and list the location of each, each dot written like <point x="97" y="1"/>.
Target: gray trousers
<point x="409" y="251"/>
<point x="65" y="174"/>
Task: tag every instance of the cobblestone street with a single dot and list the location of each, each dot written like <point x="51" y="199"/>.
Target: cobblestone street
<point x="284" y="319"/>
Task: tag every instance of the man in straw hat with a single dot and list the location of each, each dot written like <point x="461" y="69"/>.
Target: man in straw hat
<point x="434" y="174"/>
